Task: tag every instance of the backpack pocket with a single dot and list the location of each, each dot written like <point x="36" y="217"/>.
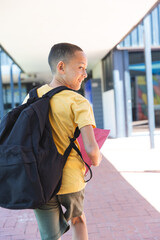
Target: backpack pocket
<point x="20" y="186"/>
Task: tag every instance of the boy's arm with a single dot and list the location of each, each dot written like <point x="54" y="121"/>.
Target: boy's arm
<point x="91" y="145"/>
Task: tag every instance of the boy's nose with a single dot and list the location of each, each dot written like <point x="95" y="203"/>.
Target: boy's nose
<point x="85" y="74"/>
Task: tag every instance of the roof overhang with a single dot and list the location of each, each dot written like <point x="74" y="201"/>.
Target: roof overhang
<point x="28" y="29"/>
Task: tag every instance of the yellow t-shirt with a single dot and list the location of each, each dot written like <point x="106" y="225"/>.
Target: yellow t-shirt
<point x="68" y="110"/>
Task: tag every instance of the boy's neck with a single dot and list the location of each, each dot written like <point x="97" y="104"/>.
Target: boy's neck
<point x="56" y="83"/>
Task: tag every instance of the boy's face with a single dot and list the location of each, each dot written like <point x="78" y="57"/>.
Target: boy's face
<point x="75" y="70"/>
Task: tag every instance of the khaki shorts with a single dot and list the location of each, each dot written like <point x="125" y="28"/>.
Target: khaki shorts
<point x="53" y="217"/>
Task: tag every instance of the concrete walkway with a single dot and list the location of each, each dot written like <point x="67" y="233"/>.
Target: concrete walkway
<point x="122" y="200"/>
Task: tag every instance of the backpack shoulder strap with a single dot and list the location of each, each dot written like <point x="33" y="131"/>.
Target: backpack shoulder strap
<point x="33" y="93"/>
<point x="56" y="90"/>
<point x="73" y="145"/>
<point x="78" y="151"/>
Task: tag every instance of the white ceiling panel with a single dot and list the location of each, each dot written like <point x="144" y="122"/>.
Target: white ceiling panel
<point x="29" y="28"/>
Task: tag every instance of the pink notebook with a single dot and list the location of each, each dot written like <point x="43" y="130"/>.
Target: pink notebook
<point x="100" y="135"/>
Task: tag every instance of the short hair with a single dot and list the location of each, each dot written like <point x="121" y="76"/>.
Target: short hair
<point x="61" y="52"/>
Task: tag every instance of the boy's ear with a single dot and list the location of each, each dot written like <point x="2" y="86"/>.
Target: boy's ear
<point x="60" y="67"/>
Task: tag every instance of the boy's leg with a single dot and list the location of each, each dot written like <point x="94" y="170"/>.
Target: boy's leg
<point x="79" y="228"/>
<point x="73" y="203"/>
<point x="50" y="219"/>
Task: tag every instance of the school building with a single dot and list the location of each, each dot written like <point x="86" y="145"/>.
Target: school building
<point x="122" y="76"/>
<point x="123" y="87"/>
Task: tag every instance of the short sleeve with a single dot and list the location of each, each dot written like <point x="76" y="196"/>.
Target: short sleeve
<point x="83" y="113"/>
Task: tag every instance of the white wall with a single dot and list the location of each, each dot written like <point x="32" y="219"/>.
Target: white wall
<point x="107" y="102"/>
<point x="97" y="72"/>
<point x="109" y="112"/>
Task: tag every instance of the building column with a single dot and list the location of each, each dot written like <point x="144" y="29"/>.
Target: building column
<point x="149" y="81"/>
<point x="12" y="85"/>
<point x="1" y="92"/>
<point x="122" y="92"/>
<point x="119" y="93"/>
<point x="127" y="95"/>
<point x="20" y="88"/>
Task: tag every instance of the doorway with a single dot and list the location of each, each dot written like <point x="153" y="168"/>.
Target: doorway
<point x="139" y="90"/>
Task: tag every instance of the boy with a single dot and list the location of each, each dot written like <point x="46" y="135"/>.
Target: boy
<point x="68" y="110"/>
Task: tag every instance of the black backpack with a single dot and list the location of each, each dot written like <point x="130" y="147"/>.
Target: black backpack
<point x="30" y="164"/>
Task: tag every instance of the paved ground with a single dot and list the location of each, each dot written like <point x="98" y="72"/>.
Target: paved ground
<point x="122" y="200"/>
